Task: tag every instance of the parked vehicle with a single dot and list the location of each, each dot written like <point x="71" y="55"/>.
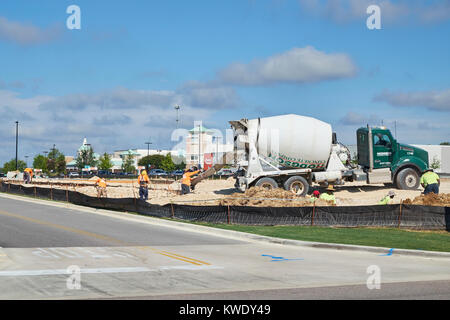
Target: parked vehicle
<point x="177" y="173"/>
<point x="157" y="172"/>
<point x="225" y="172"/>
<point x="74" y="174"/>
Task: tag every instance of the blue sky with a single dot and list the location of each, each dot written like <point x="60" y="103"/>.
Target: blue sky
<point x="117" y="79"/>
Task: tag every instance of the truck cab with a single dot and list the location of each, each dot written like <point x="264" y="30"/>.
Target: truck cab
<point x="385" y="160"/>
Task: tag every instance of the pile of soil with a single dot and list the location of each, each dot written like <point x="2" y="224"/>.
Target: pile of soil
<point x="431" y="199"/>
<point x="262" y="197"/>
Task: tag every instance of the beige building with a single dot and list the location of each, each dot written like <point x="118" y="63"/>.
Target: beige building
<point x="201" y="141"/>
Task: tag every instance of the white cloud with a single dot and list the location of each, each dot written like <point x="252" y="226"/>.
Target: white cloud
<point x="357" y="119"/>
<point x="344" y="11"/>
<point x="25" y="33"/>
<point x="113" y="119"/>
<point x="432" y="100"/>
<point x="298" y="65"/>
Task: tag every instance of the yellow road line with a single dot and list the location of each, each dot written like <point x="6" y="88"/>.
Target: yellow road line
<point x="178" y="255"/>
<point x="74" y="230"/>
<point x="102" y="237"/>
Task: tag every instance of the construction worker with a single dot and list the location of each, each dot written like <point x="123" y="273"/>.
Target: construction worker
<point x="430" y="181"/>
<point x="315" y="196"/>
<point x="186" y="180"/>
<point x="100" y="184"/>
<point x="27" y="175"/>
<point x="388" y="198"/>
<point x="329" y="194"/>
<point x="143" y="182"/>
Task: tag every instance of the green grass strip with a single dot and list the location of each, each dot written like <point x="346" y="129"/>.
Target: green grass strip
<point x="376" y="237"/>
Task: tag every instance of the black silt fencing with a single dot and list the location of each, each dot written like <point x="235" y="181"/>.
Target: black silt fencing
<point x="394" y="216"/>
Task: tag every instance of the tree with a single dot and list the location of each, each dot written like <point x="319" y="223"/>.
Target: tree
<point x="105" y="162"/>
<point x="445" y="143"/>
<point x="153" y="161"/>
<point x="180" y="166"/>
<point x="167" y="163"/>
<point x="436" y="164"/>
<point x="11" y="165"/>
<point x="127" y="165"/>
<point x="40" y="162"/>
<point x="86" y="158"/>
<point x="56" y="161"/>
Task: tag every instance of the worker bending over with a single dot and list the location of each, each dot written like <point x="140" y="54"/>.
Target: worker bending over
<point x="388" y="199"/>
<point x="328" y="195"/>
<point x="315" y="196"/>
<point x="27" y="175"/>
<point x="186" y="181"/>
<point x="430" y="181"/>
<point x="143" y="182"/>
<point x="100" y="184"/>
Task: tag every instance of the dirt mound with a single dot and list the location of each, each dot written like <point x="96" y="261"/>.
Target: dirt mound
<point x="431" y="199"/>
<point x="261" y="197"/>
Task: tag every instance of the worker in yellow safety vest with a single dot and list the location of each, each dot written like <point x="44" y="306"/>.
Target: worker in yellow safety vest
<point x="388" y="199"/>
<point x="100" y="184"/>
<point x="315" y="196"/>
<point x="430" y="181"/>
<point x="186" y="180"/>
<point x="328" y="195"/>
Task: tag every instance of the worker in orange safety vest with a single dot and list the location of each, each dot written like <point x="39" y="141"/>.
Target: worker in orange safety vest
<point x="100" y="184"/>
<point x="186" y="180"/>
<point x="143" y="182"/>
<point x="27" y="175"/>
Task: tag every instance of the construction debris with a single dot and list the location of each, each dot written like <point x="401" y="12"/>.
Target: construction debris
<point x="261" y="197"/>
<point x="431" y="199"/>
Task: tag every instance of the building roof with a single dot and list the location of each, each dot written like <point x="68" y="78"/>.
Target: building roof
<point x="133" y="153"/>
<point x="202" y="130"/>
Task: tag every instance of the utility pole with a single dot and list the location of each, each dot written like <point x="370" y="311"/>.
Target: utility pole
<point x="17" y="141"/>
<point x="148" y="148"/>
<point x="395" y="128"/>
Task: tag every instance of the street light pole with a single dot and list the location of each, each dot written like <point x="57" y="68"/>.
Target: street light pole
<point x="17" y="141"/>
<point x="199" y="143"/>
<point x="177" y="108"/>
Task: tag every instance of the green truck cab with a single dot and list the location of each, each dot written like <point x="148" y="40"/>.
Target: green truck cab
<point x="384" y="160"/>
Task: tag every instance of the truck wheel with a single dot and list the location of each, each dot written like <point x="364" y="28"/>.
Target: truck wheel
<point x="408" y="179"/>
<point x="297" y="185"/>
<point x="267" y="183"/>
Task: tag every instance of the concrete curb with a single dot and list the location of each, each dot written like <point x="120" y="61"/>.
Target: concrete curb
<point x="231" y="233"/>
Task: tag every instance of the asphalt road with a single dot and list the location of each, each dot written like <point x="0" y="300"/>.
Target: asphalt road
<point x="52" y="251"/>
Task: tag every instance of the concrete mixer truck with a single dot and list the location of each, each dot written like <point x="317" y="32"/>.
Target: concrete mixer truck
<point x="292" y="152"/>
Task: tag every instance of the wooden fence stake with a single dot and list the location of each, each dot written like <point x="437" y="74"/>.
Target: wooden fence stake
<point x="171" y="205"/>
<point x="229" y="218"/>
<point x="400" y="215"/>
<point x="314" y="210"/>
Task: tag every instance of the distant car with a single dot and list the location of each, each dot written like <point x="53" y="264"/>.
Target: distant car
<point x="177" y="173"/>
<point x="104" y="172"/>
<point x="2" y="175"/>
<point x="157" y="172"/>
<point x="74" y="175"/>
<point x="225" y="172"/>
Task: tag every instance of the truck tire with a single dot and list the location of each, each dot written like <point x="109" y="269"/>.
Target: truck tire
<point x="298" y="185"/>
<point x="408" y="179"/>
<point x="267" y="183"/>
